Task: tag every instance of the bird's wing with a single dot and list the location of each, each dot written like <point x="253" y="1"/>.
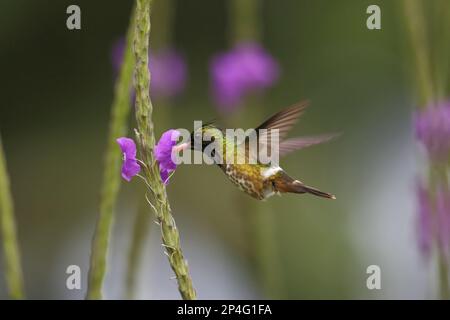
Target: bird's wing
<point x="278" y="124"/>
<point x="282" y="121"/>
<point x="289" y="145"/>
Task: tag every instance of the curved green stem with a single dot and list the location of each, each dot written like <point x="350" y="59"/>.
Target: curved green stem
<point x="417" y="31"/>
<point x="245" y="22"/>
<point x="111" y="178"/>
<point x="146" y="142"/>
<point x="13" y="269"/>
<point x="444" y="285"/>
<point x="443" y="48"/>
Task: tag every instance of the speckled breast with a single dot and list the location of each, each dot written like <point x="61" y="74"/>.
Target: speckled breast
<point x="248" y="178"/>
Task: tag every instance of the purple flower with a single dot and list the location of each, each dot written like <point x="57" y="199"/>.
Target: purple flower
<point x="424" y="220"/>
<point x="443" y="218"/>
<point x="130" y="167"/>
<point x="236" y="73"/>
<point x="432" y="127"/>
<point x="163" y="153"/>
<point x="169" y="73"/>
<point x="168" y="70"/>
<point x="117" y="54"/>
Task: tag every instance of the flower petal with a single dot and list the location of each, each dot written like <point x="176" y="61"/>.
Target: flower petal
<point x="128" y="147"/>
<point x="432" y="128"/>
<point x="163" y="153"/>
<point x="163" y="150"/>
<point x="130" y="168"/>
<point x="164" y="176"/>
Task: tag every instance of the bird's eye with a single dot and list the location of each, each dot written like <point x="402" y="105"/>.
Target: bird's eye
<point x="213" y="139"/>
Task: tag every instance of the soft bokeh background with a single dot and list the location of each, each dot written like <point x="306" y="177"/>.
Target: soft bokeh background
<point x="56" y="91"/>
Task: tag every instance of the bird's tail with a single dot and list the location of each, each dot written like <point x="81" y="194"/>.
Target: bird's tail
<point x="307" y="189"/>
<point x="294" y="186"/>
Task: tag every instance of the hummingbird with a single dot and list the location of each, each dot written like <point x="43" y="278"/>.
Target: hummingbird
<point x="260" y="180"/>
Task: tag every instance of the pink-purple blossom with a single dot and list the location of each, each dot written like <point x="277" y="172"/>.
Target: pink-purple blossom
<point x="130" y="166"/>
<point x="167" y="66"/>
<point x="433" y="219"/>
<point x="424" y="220"/>
<point x="163" y="153"/>
<point x="443" y="218"/>
<point x="169" y="73"/>
<point x="432" y="128"/>
<point x="246" y="68"/>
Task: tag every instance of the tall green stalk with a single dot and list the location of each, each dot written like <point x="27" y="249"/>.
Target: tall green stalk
<point x="146" y="143"/>
<point x="415" y="22"/>
<point x="443" y="48"/>
<point x="261" y="224"/>
<point x="245" y="22"/>
<point x="111" y="178"/>
<point x="163" y="23"/>
<point x="245" y="25"/>
<point x="444" y="288"/>
<point x="13" y="268"/>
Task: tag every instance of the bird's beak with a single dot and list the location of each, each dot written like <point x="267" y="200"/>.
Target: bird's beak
<point x="182" y="147"/>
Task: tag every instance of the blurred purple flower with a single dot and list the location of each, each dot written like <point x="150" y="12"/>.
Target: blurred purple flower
<point x="424" y="220"/>
<point x="443" y="218"/>
<point x="168" y="73"/>
<point x="163" y="153"/>
<point x="117" y="53"/>
<point x="432" y="127"/>
<point x="168" y="70"/>
<point x="130" y="167"/>
<point x="244" y="69"/>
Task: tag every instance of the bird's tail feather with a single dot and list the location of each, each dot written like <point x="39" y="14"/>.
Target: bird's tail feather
<point x="284" y="183"/>
<point x="314" y="191"/>
<point x="294" y="186"/>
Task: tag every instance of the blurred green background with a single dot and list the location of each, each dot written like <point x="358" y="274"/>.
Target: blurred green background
<point x="57" y="88"/>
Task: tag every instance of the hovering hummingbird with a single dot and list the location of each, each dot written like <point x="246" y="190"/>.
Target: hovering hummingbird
<point x="257" y="179"/>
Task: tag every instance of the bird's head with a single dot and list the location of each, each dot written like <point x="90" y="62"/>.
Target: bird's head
<point x="204" y="136"/>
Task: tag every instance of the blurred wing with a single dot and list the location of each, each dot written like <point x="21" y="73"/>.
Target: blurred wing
<point x="290" y="145"/>
<point x="283" y="121"/>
